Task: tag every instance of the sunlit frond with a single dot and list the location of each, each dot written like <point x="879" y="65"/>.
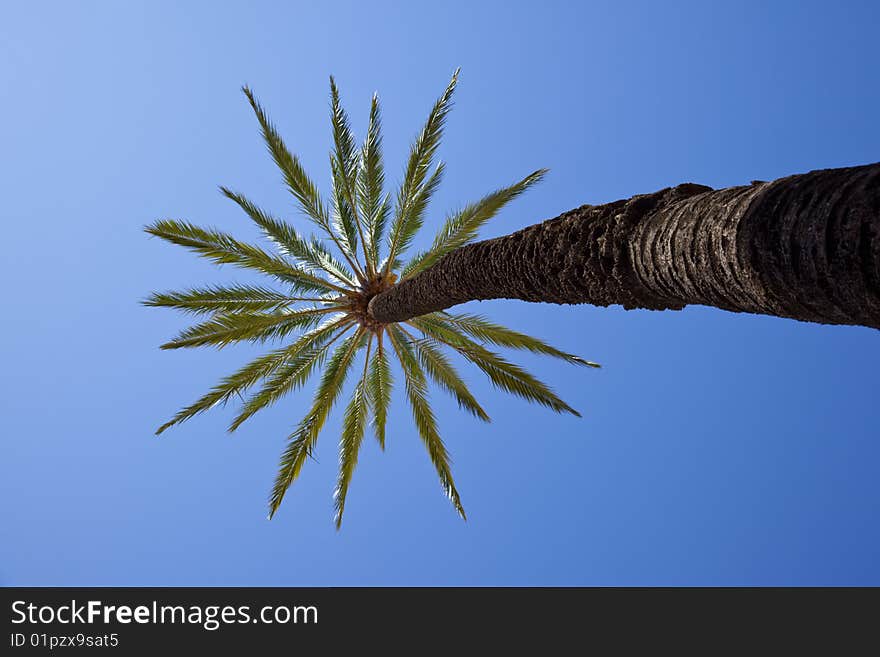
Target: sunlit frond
<point x="486" y="331"/>
<point x="462" y="227"/>
<point x="302" y="440"/>
<point x="331" y="265"/>
<point x="344" y="221"/>
<point x="345" y="162"/>
<point x="414" y="182"/>
<point x="308" y="252"/>
<point x="354" y="423"/>
<point x="370" y="183"/>
<point x="222" y="330"/>
<point x="225" y="299"/>
<point x="298" y="181"/>
<point x="295" y="176"/>
<point x="440" y="369"/>
<point x="417" y="392"/>
<point x="240" y="381"/>
<point x="377" y="232"/>
<point x="502" y="373"/>
<point x="225" y="249"/>
<point x="343" y="140"/>
<point x="403" y="232"/>
<point x="305" y="355"/>
<point x="379" y="385"/>
<point x="232" y="385"/>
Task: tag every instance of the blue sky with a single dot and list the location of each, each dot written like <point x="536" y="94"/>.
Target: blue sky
<point x="714" y="449"/>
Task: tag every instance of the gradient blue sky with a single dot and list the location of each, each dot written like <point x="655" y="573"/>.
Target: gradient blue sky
<point x="715" y="448"/>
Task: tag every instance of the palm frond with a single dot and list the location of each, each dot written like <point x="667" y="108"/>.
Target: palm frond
<point x="413" y="217"/>
<point x="308" y="354"/>
<point x="295" y="176"/>
<point x="421" y="155"/>
<point x="224" y="329"/>
<point x="390" y="265"/>
<point x="225" y="249"/>
<point x="226" y="299"/>
<point x="440" y="369"/>
<point x="302" y="440"/>
<point x="290" y="242"/>
<point x="486" y="331"/>
<point x="354" y="423"/>
<point x="325" y="260"/>
<point x="377" y="231"/>
<point x="346" y="163"/>
<point x="462" y="227"/>
<point x="370" y="183"/>
<point x="379" y="385"/>
<point x="416" y="390"/>
<point x="344" y="221"/>
<point x="249" y="375"/>
<point x="502" y="373"/>
<point x="343" y="140"/>
<point x="232" y="385"/>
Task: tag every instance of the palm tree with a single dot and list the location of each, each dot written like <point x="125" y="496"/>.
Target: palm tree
<point x="805" y="247"/>
<point x="326" y="284"/>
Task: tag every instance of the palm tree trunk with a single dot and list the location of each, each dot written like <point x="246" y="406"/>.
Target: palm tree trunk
<point x="805" y="247"/>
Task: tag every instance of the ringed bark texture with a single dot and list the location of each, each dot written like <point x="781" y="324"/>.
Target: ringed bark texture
<point x="805" y="247"/>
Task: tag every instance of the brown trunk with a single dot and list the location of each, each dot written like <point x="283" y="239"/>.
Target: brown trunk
<point x="805" y="247"/>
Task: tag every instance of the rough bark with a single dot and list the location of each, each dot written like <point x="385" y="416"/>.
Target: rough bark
<point x="805" y="247"/>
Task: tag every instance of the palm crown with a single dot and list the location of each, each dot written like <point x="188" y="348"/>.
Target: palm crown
<point x="324" y="298"/>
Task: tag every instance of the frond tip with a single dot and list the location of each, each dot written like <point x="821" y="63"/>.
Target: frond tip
<point x="302" y="440"/>
<point x="502" y="373"/>
<point x="462" y="227"/>
<point x="416" y="390"/>
<point x="354" y="424"/>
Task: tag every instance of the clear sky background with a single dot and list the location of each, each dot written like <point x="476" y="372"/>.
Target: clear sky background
<point x="715" y="448"/>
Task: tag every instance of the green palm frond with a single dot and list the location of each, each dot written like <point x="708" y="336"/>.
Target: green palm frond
<point x="295" y="176"/>
<point x="240" y="381"/>
<point x="417" y="392"/>
<point x="307" y="252"/>
<point x="343" y="140"/>
<point x="414" y="185"/>
<point x="344" y="221"/>
<point x="325" y="260"/>
<point x="226" y="299"/>
<point x="486" y="331"/>
<point x="347" y="169"/>
<point x="354" y="424"/>
<point x="379" y="385"/>
<point x="370" y="183"/>
<point x="225" y="329"/>
<point x="377" y="232"/>
<point x="502" y="373"/>
<point x="462" y="226"/>
<point x="440" y="369"/>
<point x="302" y="440"/>
<point x="414" y="215"/>
<point x="232" y="385"/>
<point x="225" y="249"/>
<point x="291" y="376"/>
<point x="318" y="304"/>
<point x="303" y="356"/>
